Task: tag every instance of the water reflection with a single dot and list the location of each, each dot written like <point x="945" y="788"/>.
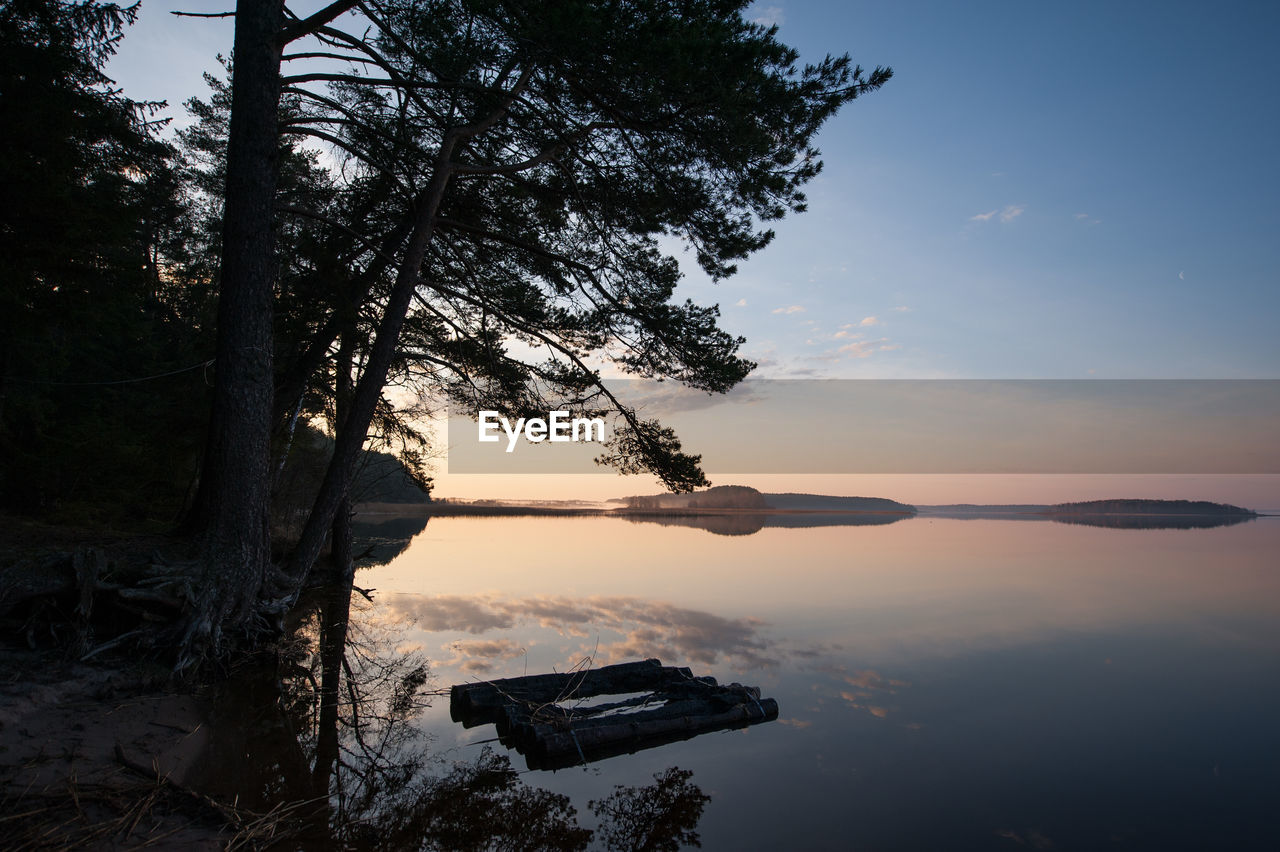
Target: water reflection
<point x="945" y="684"/>
<point x="383" y="538"/>
<point x="326" y="742"/>
<point x="1154" y="522"/>
<point x="648" y="628"/>
<point x="748" y="523"/>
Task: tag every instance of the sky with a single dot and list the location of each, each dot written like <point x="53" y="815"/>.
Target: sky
<point x="1042" y="191"/>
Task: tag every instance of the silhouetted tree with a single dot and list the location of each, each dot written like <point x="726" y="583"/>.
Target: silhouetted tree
<point x="87" y="204"/>
<point x="538" y="181"/>
<point x="509" y="171"/>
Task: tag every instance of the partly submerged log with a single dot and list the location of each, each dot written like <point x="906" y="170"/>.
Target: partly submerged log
<point x="546" y="717"/>
<point x="586" y="744"/>
<point x="487" y="698"/>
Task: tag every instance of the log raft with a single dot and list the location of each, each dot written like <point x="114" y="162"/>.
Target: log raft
<point x="544" y="718"/>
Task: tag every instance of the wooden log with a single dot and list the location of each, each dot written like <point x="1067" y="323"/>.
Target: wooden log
<point x="525" y="734"/>
<point x="565" y="749"/>
<point x="484" y="699"/>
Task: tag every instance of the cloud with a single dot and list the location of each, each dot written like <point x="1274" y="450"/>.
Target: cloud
<point x="844" y="332"/>
<point x="1013" y="211"/>
<point x="741" y="303"/>
<point x="902" y="309"/>
<point x="769" y="16"/>
<point x="869" y="321"/>
<point x="1008" y="214"/>
<point x="867" y="348"/>
<point x="790" y="309"/>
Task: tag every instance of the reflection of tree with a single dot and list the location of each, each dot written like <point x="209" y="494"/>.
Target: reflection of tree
<point x="1153" y="522"/>
<point x="483" y="805"/>
<point x="655" y="818"/>
<point x="749" y="523"/>
<point x="329" y="741"/>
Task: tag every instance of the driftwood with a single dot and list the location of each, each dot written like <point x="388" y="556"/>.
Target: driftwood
<point x="543" y="717"/>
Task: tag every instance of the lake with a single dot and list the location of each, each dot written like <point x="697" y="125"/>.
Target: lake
<point x="942" y="683"/>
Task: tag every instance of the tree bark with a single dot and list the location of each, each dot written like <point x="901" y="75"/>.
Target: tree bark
<point x="232" y="515"/>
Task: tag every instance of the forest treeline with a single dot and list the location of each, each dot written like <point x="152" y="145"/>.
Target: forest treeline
<point x="110" y="235"/>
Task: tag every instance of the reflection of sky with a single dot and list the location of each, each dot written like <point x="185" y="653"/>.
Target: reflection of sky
<point x="954" y="684"/>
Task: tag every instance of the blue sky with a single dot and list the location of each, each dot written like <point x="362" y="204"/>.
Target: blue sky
<point x="1042" y="191"/>
<point x="1053" y="190"/>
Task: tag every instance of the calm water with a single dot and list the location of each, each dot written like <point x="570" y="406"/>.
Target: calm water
<point x="943" y="684"/>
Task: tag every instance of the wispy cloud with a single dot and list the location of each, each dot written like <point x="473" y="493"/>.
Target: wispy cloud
<point x="790" y="309"/>
<point x="741" y="303"/>
<point x="867" y="322"/>
<point x="1087" y="219"/>
<point x="769" y="16"/>
<point x="1008" y="214"/>
<point x="1013" y="211"/>
<point x="867" y="348"/>
<point x="902" y="309"/>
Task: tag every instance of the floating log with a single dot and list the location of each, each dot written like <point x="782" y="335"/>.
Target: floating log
<point x="488" y="697"/>
<point x="580" y="746"/>
<point x="541" y="715"/>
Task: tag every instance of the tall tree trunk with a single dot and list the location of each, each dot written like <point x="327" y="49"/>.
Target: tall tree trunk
<point x="232" y="514"/>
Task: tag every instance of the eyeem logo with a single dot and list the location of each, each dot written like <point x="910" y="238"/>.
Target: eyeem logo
<point x="559" y="427"/>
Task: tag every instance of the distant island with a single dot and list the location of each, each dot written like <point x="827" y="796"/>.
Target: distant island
<point x="742" y="497"/>
<point x="1150" y="507"/>
<point x="1128" y="513"/>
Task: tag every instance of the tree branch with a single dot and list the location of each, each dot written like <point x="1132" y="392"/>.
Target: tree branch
<point x="311" y="23"/>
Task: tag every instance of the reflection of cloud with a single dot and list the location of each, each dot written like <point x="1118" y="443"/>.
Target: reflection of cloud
<point x="790" y="309"/>
<point x="452" y="612"/>
<point x="649" y="628"/>
<point x="478" y="656"/>
<point x="1033" y="838"/>
<point x="869" y="688"/>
